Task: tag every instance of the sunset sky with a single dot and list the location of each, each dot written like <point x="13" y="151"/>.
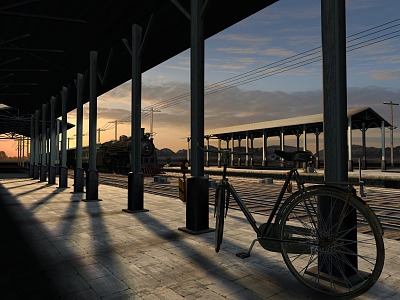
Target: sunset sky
<point x="287" y="89"/>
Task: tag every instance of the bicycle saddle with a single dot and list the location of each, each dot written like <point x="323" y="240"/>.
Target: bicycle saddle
<point x="301" y="156"/>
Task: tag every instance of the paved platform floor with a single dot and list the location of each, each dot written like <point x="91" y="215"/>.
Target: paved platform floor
<point x="53" y="245"/>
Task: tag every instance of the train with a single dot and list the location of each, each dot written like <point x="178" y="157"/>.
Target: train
<point x="114" y="156"/>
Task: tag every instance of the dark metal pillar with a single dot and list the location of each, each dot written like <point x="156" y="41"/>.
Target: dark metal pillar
<point x="79" y="179"/>
<point x="92" y="180"/>
<point x="233" y="149"/>
<point x="335" y="115"/>
<point x="219" y="154"/>
<point x="43" y="167"/>
<point x="53" y="152"/>
<point x="240" y="150"/>
<point x="36" y="166"/>
<point x="317" y="162"/>
<point x="350" y="145"/>
<point x="364" y="147"/>
<point x="32" y="151"/>
<point x="188" y="150"/>
<point x="207" y="148"/>
<point x="247" y="149"/>
<point x="252" y="150"/>
<point x="197" y="185"/>
<point x="383" y="161"/>
<point x="63" y="181"/>
<point x="264" y="147"/>
<point x="58" y="124"/>
<point x="135" y="177"/>
<point x="298" y="134"/>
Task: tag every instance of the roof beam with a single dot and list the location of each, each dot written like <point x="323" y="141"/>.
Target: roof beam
<point x="30" y="49"/>
<point x="34" y="16"/>
<point x="18" y="4"/>
<point x="12" y="83"/>
<point x="181" y="8"/>
<point x="10" y="61"/>
<point x="24" y="70"/>
<point x="14" y="39"/>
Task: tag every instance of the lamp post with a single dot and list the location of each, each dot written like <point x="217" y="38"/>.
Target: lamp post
<point x="391" y="103"/>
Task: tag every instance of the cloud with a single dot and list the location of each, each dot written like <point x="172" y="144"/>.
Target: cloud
<point x="238" y="50"/>
<point x="246" y="39"/>
<point x="384" y="75"/>
<point x="277" y="51"/>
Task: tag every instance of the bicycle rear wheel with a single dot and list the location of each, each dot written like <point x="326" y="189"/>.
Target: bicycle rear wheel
<point x="219" y="212"/>
<point x="332" y="242"/>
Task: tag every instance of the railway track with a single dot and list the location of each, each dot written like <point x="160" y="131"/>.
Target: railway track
<point x="384" y="201"/>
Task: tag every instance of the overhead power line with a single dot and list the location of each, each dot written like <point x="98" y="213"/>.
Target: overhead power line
<point x="311" y="56"/>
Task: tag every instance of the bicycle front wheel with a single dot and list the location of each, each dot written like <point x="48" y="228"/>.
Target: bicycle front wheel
<point x="332" y="242"/>
<point x="220" y="198"/>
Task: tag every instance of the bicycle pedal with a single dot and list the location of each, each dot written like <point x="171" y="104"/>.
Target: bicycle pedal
<point x="243" y="255"/>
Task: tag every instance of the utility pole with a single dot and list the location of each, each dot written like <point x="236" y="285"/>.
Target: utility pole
<point x="152" y="111"/>
<point x="391" y="103"/>
<point x="116" y="122"/>
<point x="98" y="134"/>
<point x="68" y="139"/>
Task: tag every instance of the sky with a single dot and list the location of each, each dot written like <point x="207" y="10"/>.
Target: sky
<point x="278" y="51"/>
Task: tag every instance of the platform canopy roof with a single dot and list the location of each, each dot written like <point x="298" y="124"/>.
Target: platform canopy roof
<point x="45" y="43"/>
<point x="296" y="125"/>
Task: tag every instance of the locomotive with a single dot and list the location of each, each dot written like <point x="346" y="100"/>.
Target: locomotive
<point x="114" y="156"/>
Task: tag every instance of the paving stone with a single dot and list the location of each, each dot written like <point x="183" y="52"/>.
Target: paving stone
<point x="81" y="250"/>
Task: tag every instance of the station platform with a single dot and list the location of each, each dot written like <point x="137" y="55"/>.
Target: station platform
<point x="56" y="246"/>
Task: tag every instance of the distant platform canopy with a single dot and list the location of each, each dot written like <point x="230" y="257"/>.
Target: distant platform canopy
<point x="296" y="125"/>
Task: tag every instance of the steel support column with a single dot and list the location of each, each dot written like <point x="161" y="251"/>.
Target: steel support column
<point x="43" y="166"/>
<point x="350" y="144"/>
<point x="383" y="161"/>
<point x="197" y="215"/>
<point x="364" y="147"/>
<point x="233" y="149"/>
<point x="298" y="134"/>
<point x="36" y="167"/>
<point x="333" y="16"/>
<point x="63" y="181"/>
<point x="92" y="180"/>
<point x="264" y="147"/>
<point x="188" y="150"/>
<point x="32" y="148"/>
<point x="53" y="152"/>
<point x="219" y="154"/>
<point x="317" y="162"/>
<point x="207" y="148"/>
<point x="247" y="150"/>
<point x="240" y="149"/>
<point x="79" y="179"/>
<point x="58" y="125"/>
<point x="135" y="177"/>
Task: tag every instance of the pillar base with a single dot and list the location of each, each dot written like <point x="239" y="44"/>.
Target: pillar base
<point x="92" y="185"/>
<point x="207" y="163"/>
<point x="31" y="171"/>
<point x="79" y="180"/>
<point x="63" y="181"/>
<point x="135" y="193"/>
<point x="350" y="166"/>
<point x="52" y="175"/>
<point x="219" y="164"/>
<point x="264" y="163"/>
<point x="383" y="165"/>
<point x="364" y="164"/>
<point x="35" y="172"/>
<point x="43" y="173"/>
<point x="197" y="206"/>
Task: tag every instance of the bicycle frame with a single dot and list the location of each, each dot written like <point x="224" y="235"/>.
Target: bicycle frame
<point x="293" y="173"/>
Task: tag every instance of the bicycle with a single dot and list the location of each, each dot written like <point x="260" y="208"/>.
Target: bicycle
<point x="329" y="238"/>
